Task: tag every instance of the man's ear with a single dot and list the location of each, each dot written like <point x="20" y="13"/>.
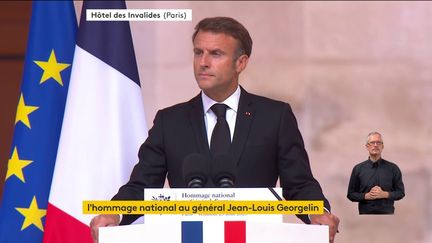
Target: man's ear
<point x="241" y="63"/>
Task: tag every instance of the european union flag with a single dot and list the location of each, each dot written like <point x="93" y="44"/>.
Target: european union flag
<point x="38" y="122"/>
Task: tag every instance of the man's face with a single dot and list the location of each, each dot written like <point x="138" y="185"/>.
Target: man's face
<point x="375" y="145"/>
<point x="215" y="69"/>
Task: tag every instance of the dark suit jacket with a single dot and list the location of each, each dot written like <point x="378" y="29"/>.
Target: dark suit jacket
<point x="266" y="145"/>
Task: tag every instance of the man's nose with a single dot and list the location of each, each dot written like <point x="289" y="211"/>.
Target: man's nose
<point x="204" y="60"/>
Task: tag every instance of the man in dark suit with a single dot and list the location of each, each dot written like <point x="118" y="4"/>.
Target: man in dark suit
<point x="265" y="141"/>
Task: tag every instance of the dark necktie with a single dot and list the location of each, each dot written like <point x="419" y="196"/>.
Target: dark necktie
<point x="220" y="139"/>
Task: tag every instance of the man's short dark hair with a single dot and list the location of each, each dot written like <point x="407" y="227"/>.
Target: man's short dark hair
<point x="228" y="26"/>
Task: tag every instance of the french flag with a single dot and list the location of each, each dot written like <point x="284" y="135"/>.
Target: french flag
<point x="232" y="232"/>
<point x="103" y="125"/>
<point x="215" y="230"/>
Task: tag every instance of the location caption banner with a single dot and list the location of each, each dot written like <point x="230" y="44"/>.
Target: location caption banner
<point x="139" y="15"/>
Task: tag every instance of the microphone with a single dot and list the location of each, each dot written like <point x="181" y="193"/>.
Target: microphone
<point x="195" y="170"/>
<point x="223" y="171"/>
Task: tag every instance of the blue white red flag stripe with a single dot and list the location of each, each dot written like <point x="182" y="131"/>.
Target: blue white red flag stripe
<point x="192" y="232"/>
<point x="232" y="231"/>
<point x="214" y="230"/>
<point x="235" y="231"/>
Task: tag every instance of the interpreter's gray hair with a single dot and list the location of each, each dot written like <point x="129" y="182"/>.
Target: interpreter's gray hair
<point x="374" y="133"/>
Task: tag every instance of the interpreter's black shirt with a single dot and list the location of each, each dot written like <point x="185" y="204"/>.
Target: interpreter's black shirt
<point x="368" y="174"/>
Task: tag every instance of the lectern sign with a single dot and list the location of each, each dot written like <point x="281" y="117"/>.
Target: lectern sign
<point x="214" y="228"/>
<point x="213" y="194"/>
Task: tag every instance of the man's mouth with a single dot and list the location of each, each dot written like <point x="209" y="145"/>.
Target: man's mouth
<point x="204" y="75"/>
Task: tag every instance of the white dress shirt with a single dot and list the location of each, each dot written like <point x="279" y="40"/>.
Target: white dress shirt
<point x="231" y="113"/>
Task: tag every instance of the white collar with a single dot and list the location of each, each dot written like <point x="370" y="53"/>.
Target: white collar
<point x="232" y="101"/>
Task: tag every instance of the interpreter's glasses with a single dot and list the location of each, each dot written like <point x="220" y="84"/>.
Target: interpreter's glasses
<point x="375" y="143"/>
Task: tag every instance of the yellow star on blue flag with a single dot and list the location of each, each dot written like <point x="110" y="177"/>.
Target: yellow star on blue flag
<point x="52" y="68"/>
<point x="16" y="166"/>
<point x="23" y="112"/>
<point x="32" y="215"/>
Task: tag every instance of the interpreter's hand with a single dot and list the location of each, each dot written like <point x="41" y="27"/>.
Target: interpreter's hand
<point x="327" y="219"/>
<point x="378" y="193"/>
<point x="103" y="220"/>
<point x="369" y="196"/>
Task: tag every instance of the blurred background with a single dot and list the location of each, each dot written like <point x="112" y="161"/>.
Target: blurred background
<point x="347" y="68"/>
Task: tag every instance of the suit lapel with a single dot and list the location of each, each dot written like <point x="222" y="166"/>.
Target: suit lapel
<point x="196" y="117"/>
<point x="245" y="114"/>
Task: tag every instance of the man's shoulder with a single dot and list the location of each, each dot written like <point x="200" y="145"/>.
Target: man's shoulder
<point x="263" y="99"/>
<point x="183" y="106"/>
<point x="177" y="107"/>
<point x="264" y="102"/>
<point x="389" y="163"/>
<point x="362" y="164"/>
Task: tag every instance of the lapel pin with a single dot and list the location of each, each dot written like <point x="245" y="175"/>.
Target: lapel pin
<point x="247" y="113"/>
